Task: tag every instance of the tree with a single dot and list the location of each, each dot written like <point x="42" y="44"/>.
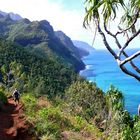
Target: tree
<point x="86" y="99"/>
<point x="6" y="76"/>
<point x="106" y="13"/>
<point x="13" y="75"/>
<point x="19" y="76"/>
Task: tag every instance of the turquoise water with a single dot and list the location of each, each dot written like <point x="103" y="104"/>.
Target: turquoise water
<point x="103" y="69"/>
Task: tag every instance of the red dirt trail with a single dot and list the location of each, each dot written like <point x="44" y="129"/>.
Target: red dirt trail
<point x="12" y="123"/>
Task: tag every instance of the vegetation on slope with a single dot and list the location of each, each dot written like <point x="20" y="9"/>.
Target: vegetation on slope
<point x="58" y="103"/>
<point x="27" y="71"/>
<point x="85" y="113"/>
<point x="3" y="99"/>
<point x="37" y="34"/>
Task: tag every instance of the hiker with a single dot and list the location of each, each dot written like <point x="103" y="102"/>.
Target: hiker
<point x="16" y="96"/>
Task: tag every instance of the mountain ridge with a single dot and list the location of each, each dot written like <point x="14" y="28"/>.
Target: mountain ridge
<point x="29" y="34"/>
<point x="67" y="41"/>
<point x="83" y="45"/>
<point x="12" y="15"/>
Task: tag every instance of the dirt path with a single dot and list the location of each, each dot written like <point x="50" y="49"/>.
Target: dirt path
<point x="12" y="123"/>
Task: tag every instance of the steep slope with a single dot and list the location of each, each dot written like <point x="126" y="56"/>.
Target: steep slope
<point x="68" y="43"/>
<point x="83" y="45"/>
<point x="12" y="15"/>
<point x="13" y="123"/>
<point x="31" y="34"/>
<point x="77" y="52"/>
<point x="30" y="71"/>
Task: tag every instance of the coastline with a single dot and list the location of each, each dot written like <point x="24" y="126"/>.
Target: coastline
<point x="102" y="69"/>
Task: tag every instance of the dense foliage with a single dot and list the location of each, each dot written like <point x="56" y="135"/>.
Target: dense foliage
<point x="40" y="37"/>
<point x="58" y="103"/>
<point x="3" y="99"/>
<point x="86" y="99"/>
<point x="85" y="112"/>
<point x="27" y="71"/>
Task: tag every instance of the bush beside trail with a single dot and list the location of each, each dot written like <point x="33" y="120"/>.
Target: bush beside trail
<point x="84" y="112"/>
<point x="3" y="99"/>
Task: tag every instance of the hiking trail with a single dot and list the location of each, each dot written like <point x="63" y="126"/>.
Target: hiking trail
<point x="13" y="122"/>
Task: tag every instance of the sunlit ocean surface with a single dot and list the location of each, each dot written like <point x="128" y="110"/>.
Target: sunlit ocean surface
<point x="103" y="69"/>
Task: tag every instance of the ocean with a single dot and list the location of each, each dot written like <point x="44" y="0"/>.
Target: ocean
<point x="102" y="68"/>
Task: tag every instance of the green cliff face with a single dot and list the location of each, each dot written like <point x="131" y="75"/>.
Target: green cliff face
<point x="40" y="35"/>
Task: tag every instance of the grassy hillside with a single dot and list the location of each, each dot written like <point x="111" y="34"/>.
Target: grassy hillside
<point x="84" y="112"/>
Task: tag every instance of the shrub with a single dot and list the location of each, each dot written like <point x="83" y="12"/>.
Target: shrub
<point x="49" y="121"/>
<point x="79" y="123"/>
<point x="114" y="99"/>
<point x="85" y="99"/>
<point x="119" y="121"/>
<point x="30" y="104"/>
<point x="3" y="98"/>
<point x="48" y="136"/>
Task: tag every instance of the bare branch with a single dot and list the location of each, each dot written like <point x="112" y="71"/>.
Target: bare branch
<point x="120" y="63"/>
<point x="105" y="42"/>
<point x="131" y="63"/>
<point x="130" y="58"/>
<point x="129" y="72"/>
<point x="135" y="20"/>
<point x="108" y="32"/>
<point x="111" y="34"/>
<point x="119" y="46"/>
<point x="127" y="43"/>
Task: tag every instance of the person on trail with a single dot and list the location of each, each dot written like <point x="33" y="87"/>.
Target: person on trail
<point x="16" y="96"/>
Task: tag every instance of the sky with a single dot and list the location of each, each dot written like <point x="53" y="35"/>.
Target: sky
<point x="64" y="15"/>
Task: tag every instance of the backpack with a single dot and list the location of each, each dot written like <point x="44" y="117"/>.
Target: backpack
<point x="16" y="94"/>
